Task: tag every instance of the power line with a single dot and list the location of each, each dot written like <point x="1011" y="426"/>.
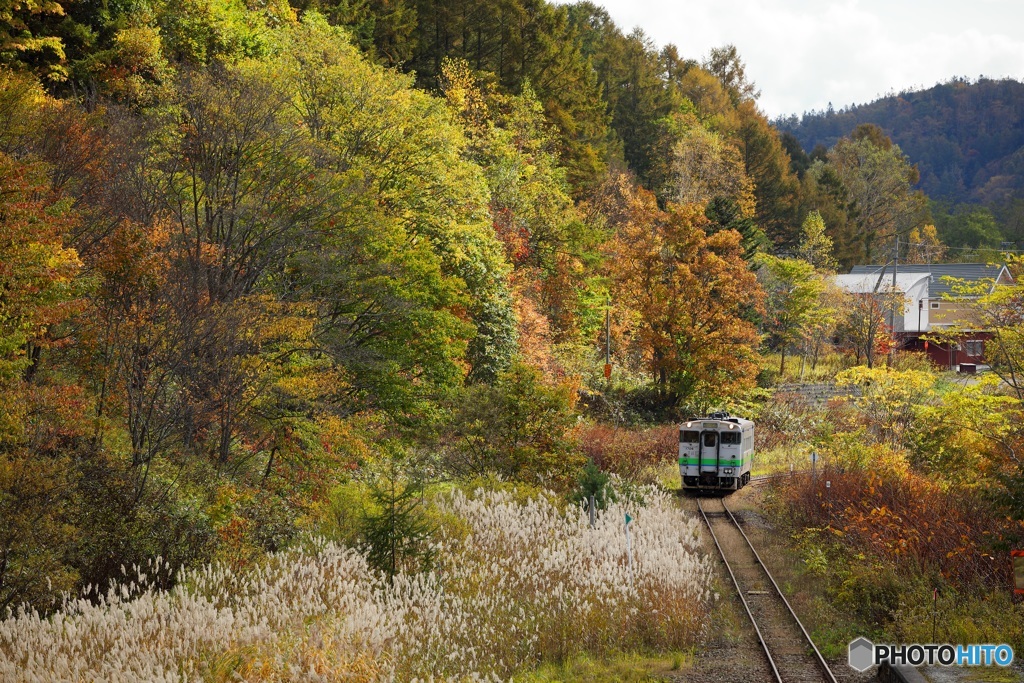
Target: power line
<point x="978" y="249"/>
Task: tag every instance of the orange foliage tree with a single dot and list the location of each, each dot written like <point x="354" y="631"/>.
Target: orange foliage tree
<point x="41" y="419"/>
<point x="683" y="297"/>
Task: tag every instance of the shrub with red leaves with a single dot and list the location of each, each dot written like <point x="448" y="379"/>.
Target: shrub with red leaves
<point x="910" y="521"/>
<point x="629" y="453"/>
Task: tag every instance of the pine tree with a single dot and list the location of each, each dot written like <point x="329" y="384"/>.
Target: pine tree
<point x="395" y="530"/>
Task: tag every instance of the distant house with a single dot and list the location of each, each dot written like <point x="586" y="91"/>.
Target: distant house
<point x="926" y="308"/>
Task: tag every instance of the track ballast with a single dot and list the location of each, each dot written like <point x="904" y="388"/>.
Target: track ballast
<point x="791" y="654"/>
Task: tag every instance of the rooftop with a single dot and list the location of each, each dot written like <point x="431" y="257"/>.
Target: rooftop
<point x="971" y="272"/>
<point x="865" y="283"/>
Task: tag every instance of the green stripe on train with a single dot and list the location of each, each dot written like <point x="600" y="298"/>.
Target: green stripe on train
<point x="726" y="463"/>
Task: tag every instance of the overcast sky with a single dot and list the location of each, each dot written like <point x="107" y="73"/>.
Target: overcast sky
<point x="804" y="54"/>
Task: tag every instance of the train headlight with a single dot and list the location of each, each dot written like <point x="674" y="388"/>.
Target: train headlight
<point x="727" y="470"/>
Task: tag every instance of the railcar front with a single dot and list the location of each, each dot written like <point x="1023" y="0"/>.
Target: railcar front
<point x="716" y="453"/>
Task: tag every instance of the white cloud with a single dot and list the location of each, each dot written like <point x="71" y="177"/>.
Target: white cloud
<point x="804" y="54"/>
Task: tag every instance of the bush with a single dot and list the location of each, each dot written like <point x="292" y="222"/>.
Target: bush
<point x="519" y="428"/>
<point x="633" y="454"/>
<point x="960" y="618"/>
<point x="784" y="420"/>
<point x="953" y="535"/>
<point x="593" y="482"/>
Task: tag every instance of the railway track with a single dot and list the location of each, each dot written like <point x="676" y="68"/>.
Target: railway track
<point x="763" y="479"/>
<point x="791" y="654"/>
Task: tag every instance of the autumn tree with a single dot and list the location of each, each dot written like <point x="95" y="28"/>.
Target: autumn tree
<point x="706" y="165"/>
<point x="765" y="161"/>
<point x="685" y="295"/>
<point x="382" y="29"/>
<point x="822" y="191"/>
<point x="710" y="99"/>
<point x="523" y="41"/>
<point x="261" y="269"/>
<point x="924" y="245"/>
<point x="42" y="416"/>
<point x="546" y="238"/>
<point x="1000" y="308"/>
<point x="521" y="427"/>
<point x="966" y="225"/>
<point x="631" y="73"/>
<point x="863" y="323"/>
<point x="878" y="179"/>
<point x="820" y="332"/>
<point x="24" y="36"/>
<point x="815" y="244"/>
<point x="412" y="187"/>
<point x="725" y="63"/>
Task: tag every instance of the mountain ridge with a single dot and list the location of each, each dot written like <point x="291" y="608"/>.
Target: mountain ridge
<point x="966" y="137"/>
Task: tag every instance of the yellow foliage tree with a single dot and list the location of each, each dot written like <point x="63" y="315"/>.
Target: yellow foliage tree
<point x="925" y="246"/>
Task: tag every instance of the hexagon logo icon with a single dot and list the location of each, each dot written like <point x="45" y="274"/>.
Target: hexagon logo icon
<point x="862" y="653"/>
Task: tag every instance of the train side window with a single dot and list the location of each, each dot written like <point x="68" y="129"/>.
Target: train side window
<point x="710" y="438"/>
<point x="689" y="436"/>
<point x="730" y="438"/>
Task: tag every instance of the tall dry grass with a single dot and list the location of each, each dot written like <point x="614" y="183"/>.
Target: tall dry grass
<point x="516" y="583"/>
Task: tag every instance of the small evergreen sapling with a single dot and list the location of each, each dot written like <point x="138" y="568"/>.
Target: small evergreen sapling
<point x="395" y="530"/>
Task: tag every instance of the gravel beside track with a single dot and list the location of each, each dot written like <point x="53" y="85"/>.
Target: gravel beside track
<point x="733" y="653"/>
<point x="790" y="649"/>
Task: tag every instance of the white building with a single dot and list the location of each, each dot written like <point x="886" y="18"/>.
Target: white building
<point x="913" y="286"/>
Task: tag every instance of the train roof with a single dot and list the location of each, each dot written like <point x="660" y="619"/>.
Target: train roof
<point x="740" y="422"/>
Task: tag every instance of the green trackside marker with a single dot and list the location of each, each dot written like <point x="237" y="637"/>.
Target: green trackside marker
<point x="628" y="518"/>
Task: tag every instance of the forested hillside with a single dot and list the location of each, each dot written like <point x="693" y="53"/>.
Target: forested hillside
<point x="247" y="259"/>
<point x="966" y="139"/>
<point x="360" y="298"/>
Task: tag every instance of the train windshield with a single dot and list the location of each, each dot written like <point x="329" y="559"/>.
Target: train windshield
<point x="730" y="438"/>
<point x="688" y="436"/>
<point x="710" y="438"/>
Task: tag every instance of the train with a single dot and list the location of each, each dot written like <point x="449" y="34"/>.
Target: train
<point x="716" y="453"/>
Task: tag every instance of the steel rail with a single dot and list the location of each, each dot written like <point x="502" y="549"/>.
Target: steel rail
<point x="757" y="629"/>
<point x="821" y="660"/>
<point x="765" y="478"/>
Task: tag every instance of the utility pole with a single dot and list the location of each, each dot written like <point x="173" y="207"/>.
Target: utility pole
<point x="895" y="263"/>
<point x="608" y="336"/>
<point x="608" y="343"/>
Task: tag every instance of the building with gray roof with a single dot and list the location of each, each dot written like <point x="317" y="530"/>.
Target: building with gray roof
<point x="933" y="303"/>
